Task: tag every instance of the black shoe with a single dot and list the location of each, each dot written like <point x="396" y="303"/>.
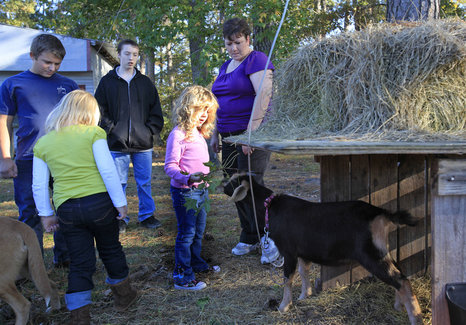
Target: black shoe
<point x="151" y="223"/>
<point x="122" y="225"/>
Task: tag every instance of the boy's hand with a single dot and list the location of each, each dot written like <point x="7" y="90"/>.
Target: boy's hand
<point x="8" y="168"/>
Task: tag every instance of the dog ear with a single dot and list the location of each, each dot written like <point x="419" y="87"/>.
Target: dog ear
<point x="240" y="192"/>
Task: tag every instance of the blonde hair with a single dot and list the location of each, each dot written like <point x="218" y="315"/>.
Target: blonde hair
<point x="191" y="101"/>
<point x="77" y="107"/>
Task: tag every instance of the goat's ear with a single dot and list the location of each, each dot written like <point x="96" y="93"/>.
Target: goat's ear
<point x="240" y="192"/>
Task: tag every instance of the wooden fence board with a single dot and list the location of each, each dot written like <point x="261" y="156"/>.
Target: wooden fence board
<point x="448" y="239"/>
<point x="412" y="197"/>
<point x="334" y="180"/>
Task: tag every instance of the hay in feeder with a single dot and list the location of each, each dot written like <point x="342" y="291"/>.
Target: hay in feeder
<point x="387" y="82"/>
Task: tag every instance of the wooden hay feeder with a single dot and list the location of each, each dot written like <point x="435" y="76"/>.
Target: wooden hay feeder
<point x="425" y="177"/>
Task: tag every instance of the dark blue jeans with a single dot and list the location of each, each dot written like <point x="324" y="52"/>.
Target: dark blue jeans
<point x="191" y="228"/>
<point x="234" y="160"/>
<point x="27" y="210"/>
<point x="82" y="221"/>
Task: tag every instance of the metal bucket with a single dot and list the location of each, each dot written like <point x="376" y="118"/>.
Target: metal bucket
<point x="456" y="299"/>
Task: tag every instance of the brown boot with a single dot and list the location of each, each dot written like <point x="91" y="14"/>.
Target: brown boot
<point x="81" y="316"/>
<point x="123" y="294"/>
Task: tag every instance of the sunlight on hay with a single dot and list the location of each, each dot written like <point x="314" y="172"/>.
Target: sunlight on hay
<point x="387" y="82"/>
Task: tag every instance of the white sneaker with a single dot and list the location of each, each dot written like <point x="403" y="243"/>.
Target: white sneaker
<point x="243" y="249"/>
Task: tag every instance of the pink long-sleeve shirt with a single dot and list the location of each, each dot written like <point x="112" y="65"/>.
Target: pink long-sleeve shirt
<point x="185" y="155"/>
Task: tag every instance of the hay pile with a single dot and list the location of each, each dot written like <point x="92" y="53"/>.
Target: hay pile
<point x="387" y="82"/>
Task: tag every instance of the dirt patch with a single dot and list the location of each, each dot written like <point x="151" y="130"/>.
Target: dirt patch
<point x="244" y="292"/>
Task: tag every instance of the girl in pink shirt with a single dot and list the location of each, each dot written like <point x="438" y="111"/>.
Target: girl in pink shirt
<point x="194" y="119"/>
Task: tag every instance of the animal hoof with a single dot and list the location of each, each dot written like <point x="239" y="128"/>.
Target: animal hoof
<point x="284" y="309"/>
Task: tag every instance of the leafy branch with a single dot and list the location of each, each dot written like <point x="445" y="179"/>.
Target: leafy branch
<point x="210" y="181"/>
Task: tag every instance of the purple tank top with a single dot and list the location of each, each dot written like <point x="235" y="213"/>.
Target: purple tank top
<point x="235" y="93"/>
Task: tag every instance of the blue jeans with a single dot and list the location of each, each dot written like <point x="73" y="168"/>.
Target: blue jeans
<point x="142" y="167"/>
<point x="27" y="210"/>
<point x="82" y="221"/>
<point x="191" y="227"/>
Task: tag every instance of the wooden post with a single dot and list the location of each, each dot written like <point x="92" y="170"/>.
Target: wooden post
<point x="448" y="232"/>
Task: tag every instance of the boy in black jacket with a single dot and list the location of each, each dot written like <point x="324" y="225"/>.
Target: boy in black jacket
<point x="131" y="116"/>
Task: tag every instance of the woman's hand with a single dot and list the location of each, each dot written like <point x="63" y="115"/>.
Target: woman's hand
<point x="214" y="142"/>
<point x="50" y="223"/>
<point x="247" y="150"/>
<point x="123" y="212"/>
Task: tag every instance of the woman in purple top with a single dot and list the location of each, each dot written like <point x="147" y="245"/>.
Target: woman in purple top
<point x="237" y="92"/>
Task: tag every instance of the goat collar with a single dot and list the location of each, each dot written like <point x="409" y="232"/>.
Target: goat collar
<point x="267" y="203"/>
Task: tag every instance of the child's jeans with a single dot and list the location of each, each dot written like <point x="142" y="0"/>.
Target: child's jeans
<point x="191" y="227"/>
<point x="82" y="220"/>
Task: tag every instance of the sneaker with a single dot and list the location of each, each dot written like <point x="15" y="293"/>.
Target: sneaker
<point x="212" y="269"/>
<point x="243" y="249"/>
<point x="122" y="225"/>
<point x="191" y="285"/>
<point x="151" y="223"/>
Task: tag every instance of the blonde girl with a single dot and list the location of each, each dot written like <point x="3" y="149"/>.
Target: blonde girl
<point x="194" y="117"/>
<point x="88" y="197"/>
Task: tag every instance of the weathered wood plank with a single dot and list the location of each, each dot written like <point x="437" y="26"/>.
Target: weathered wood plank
<point x="346" y="147"/>
<point x="334" y="183"/>
<point x="384" y="189"/>
<point x="448" y="242"/>
<point x="412" y="197"/>
<point x="360" y="190"/>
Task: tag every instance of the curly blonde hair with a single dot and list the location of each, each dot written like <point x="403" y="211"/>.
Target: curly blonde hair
<point x="76" y="107"/>
<point x="191" y="102"/>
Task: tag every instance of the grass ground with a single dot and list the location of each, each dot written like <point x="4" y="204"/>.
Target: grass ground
<point x="244" y="292"/>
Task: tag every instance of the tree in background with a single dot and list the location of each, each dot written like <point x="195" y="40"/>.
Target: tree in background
<point x="181" y="40"/>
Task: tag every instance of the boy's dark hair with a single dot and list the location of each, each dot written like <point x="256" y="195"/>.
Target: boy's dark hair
<point x="126" y="42"/>
<point x="47" y="42"/>
<point x="236" y="27"/>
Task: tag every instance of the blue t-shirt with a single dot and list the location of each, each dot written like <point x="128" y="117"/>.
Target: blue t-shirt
<point x="235" y="92"/>
<point x="32" y="97"/>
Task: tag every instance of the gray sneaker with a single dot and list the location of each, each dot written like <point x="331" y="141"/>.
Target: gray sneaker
<point x="243" y="249"/>
<point x="151" y="223"/>
<point x="191" y="285"/>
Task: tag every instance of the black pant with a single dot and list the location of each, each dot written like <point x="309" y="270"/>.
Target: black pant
<point x="83" y="220"/>
<point x="234" y="160"/>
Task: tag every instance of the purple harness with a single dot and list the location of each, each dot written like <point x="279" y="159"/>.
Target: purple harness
<point x="267" y="203"/>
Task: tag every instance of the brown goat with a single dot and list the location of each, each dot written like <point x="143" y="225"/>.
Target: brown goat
<point x="21" y="257"/>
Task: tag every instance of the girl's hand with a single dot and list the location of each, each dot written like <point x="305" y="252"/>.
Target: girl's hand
<point x="195" y="177"/>
<point x="123" y="212"/>
<point x="50" y="223"/>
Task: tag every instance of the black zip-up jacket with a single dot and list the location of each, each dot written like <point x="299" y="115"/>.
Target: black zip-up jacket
<point x="131" y="113"/>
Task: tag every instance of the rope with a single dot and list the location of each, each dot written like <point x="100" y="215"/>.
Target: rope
<point x="252" y="114"/>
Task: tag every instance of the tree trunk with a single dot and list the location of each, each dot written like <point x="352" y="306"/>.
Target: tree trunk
<point x="150" y="65"/>
<point x="412" y="10"/>
<point x="261" y="41"/>
<point x="199" y="71"/>
<point x="171" y="74"/>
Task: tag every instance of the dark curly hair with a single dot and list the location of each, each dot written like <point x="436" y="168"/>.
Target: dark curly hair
<point x="236" y="27"/>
